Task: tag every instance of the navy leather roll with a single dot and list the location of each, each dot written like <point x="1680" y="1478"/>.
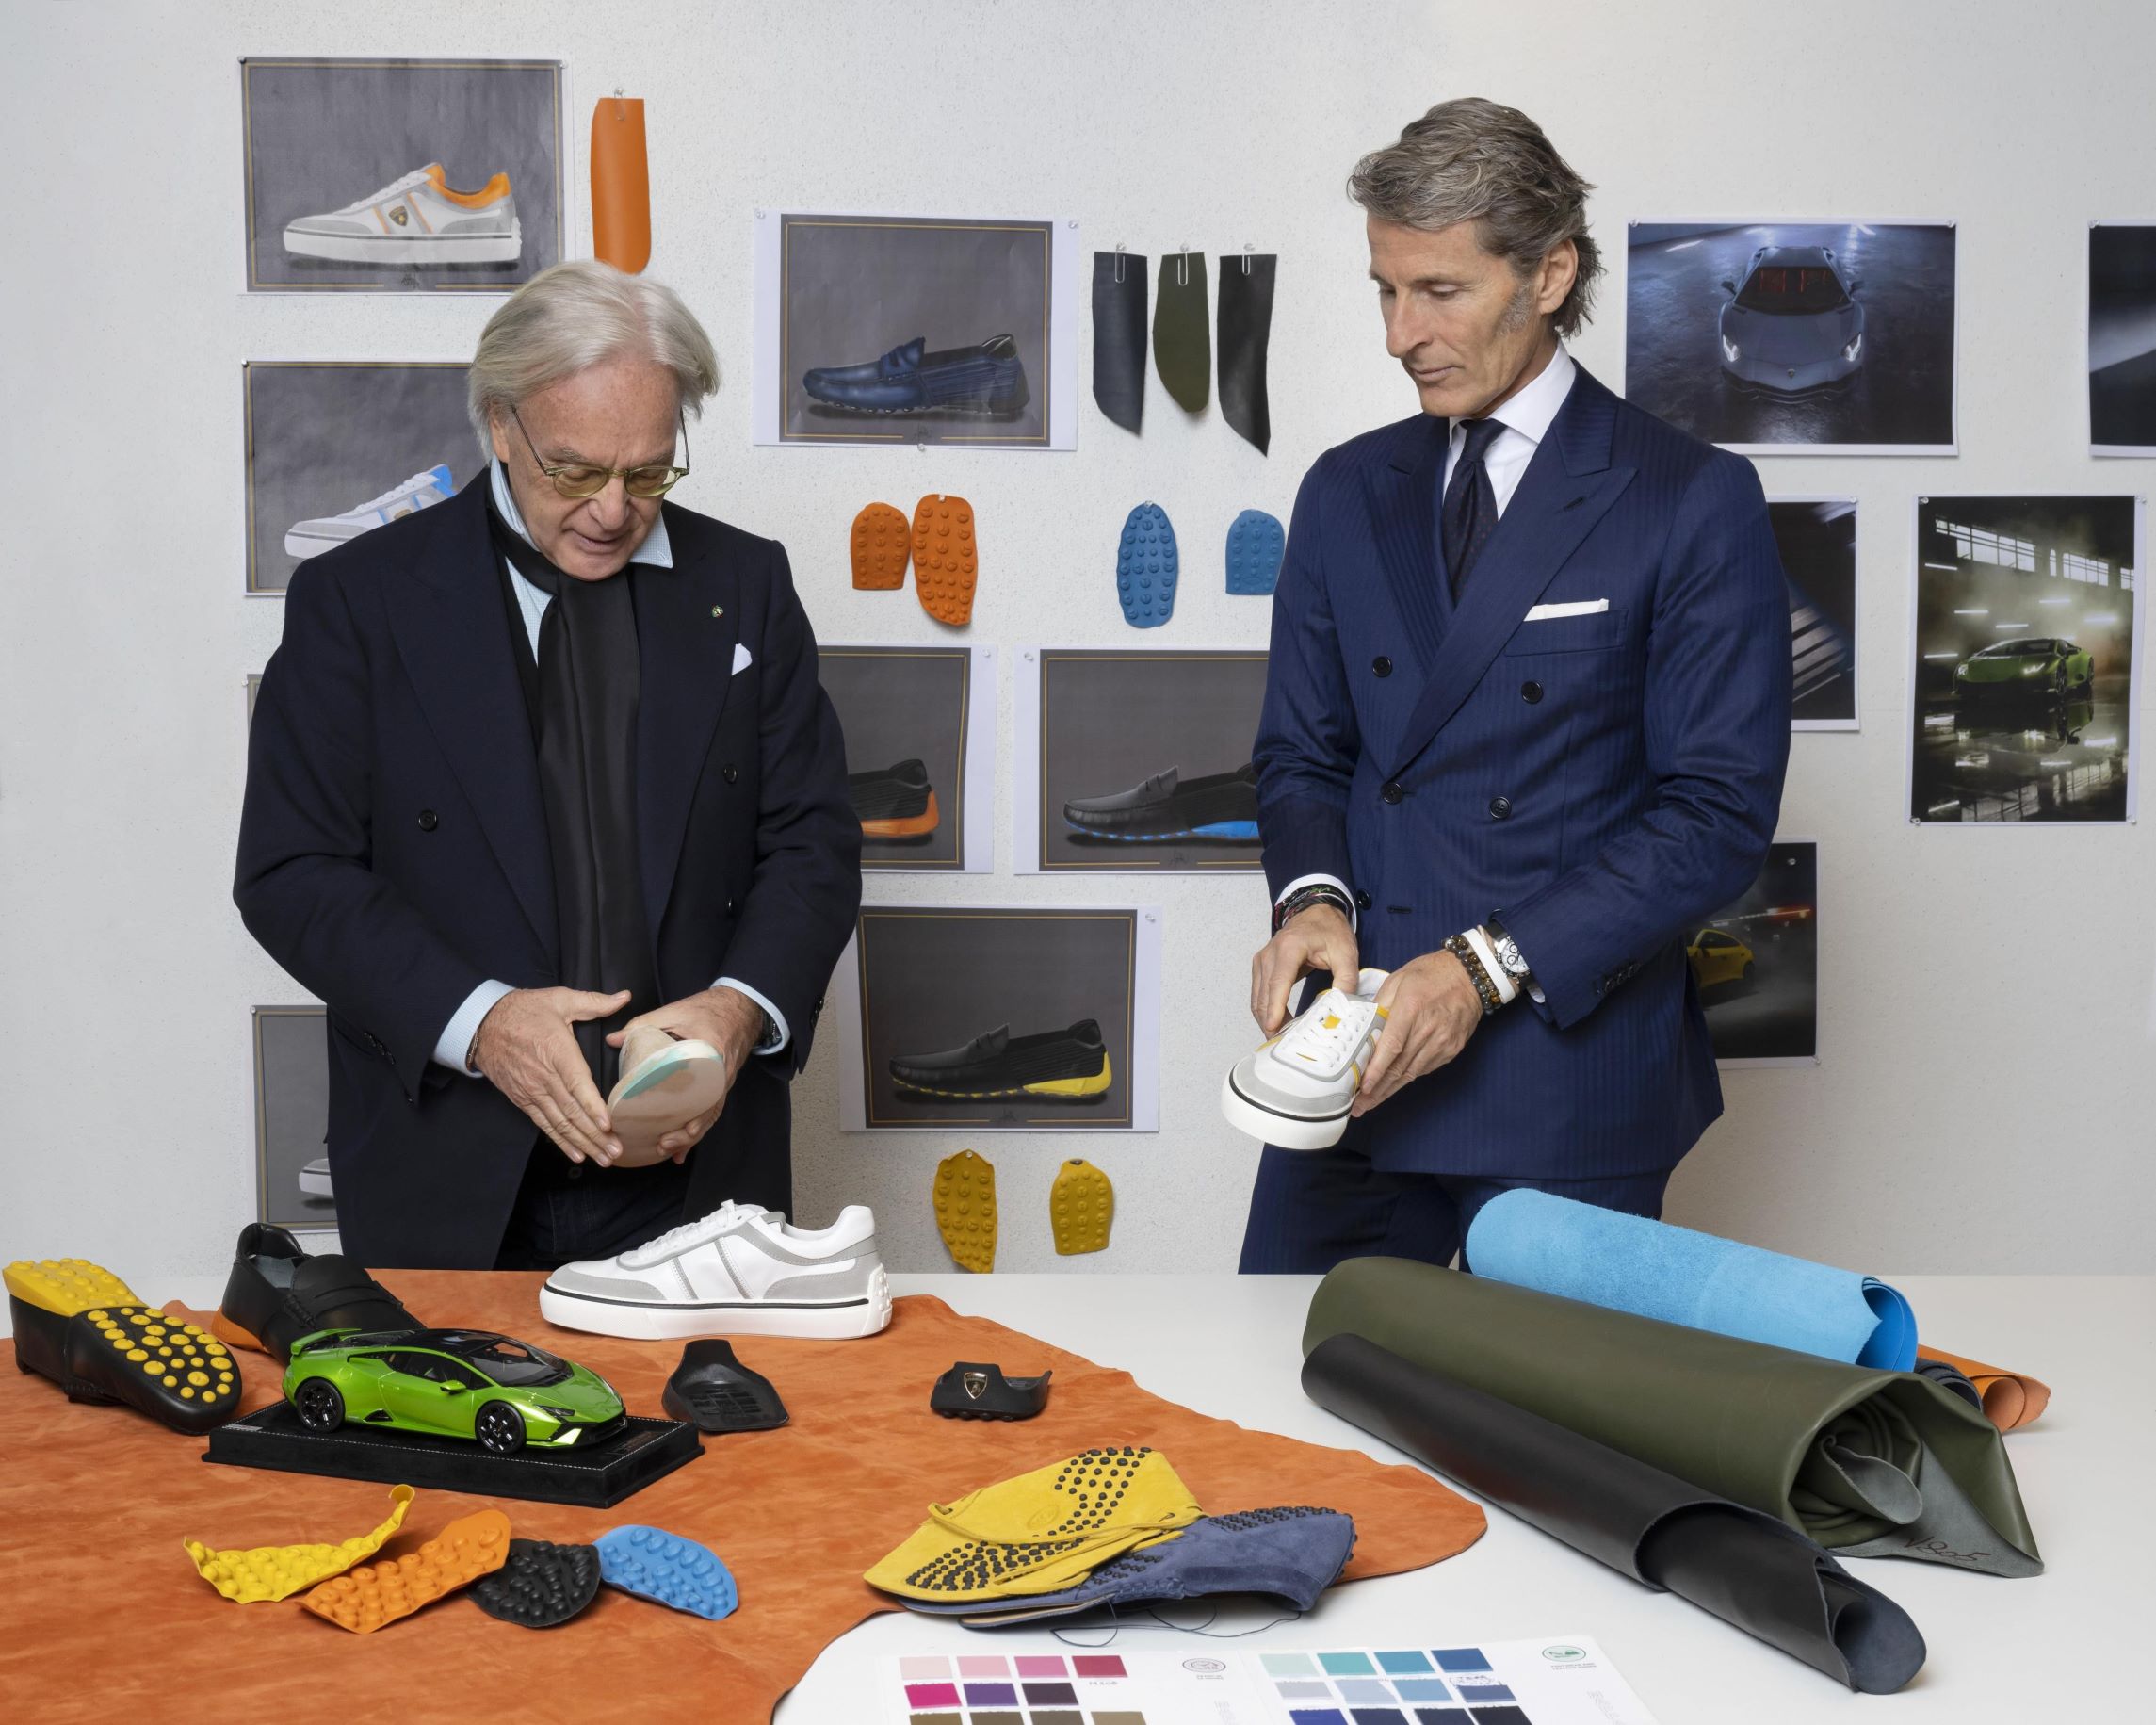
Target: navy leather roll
<point x="1747" y="1567"/>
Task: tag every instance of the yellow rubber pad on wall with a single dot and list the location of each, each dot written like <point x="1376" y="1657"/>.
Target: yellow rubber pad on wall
<point x="67" y="1285"/>
<point x="946" y="560"/>
<point x="278" y="1571"/>
<point x="880" y="544"/>
<point x="965" y="1200"/>
<point x="1081" y="1205"/>
<point x="377" y="1594"/>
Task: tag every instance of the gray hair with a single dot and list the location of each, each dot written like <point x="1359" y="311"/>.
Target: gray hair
<point x="1477" y="160"/>
<point x="572" y="316"/>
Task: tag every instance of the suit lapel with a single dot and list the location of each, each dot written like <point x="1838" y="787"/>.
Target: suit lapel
<point x="688" y="622"/>
<point x="452" y="635"/>
<point x="1404" y="521"/>
<point x="1565" y="489"/>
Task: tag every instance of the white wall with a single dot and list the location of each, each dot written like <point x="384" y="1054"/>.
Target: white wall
<point x="1986" y="1094"/>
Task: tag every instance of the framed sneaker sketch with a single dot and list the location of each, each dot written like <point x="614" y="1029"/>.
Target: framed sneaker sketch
<point x="893" y="329"/>
<point x="292" y="1118"/>
<point x="1132" y="760"/>
<point x="920" y="752"/>
<point x="401" y="176"/>
<point x="336" y="448"/>
<point x="1001" y="1018"/>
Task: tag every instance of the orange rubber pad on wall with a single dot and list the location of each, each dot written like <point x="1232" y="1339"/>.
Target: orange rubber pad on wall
<point x="377" y="1594"/>
<point x="946" y="560"/>
<point x="882" y="542"/>
<point x="965" y="1209"/>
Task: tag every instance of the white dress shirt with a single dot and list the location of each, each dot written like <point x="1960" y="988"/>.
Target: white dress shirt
<point x="657" y="550"/>
<point x="1527" y="418"/>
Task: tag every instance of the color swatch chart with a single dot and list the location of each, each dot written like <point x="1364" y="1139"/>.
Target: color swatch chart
<point x="1563" y="1681"/>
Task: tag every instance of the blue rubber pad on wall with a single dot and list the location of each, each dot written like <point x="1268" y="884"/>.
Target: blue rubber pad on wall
<point x="1256" y="543"/>
<point x="1146" y="567"/>
<point x="656" y="1565"/>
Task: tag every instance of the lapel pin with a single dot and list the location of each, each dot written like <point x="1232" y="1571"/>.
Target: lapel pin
<point x="717" y="610"/>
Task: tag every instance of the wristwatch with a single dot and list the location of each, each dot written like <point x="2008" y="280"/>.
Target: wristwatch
<point x="1510" y="959"/>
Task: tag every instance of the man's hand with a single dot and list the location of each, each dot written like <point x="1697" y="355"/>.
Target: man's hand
<point x="1319" y="938"/>
<point x="1431" y="1010"/>
<point x="729" y="1021"/>
<point x="527" y="1052"/>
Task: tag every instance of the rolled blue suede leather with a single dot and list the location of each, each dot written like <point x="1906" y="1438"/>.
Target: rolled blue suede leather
<point x="1631" y="1264"/>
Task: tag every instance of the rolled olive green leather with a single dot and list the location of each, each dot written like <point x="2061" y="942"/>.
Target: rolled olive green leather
<point x="1867" y="1462"/>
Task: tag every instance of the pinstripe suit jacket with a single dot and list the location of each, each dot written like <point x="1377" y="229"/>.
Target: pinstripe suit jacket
<point x="1601" y="782"/>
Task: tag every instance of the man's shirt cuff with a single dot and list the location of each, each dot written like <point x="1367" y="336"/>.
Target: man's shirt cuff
<point x="456" y="1040"/>
<point x="778" y="1018"/>
<point x="1301" y="881"/>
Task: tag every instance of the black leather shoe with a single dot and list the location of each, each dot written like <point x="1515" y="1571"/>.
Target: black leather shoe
<point x="714" y="1391"/>
<point x="277" y="1293"/>
<point x="86" y="1330"/>
<point x="969" y="1392"/>
<point x="1067" y="1066"/>
<point x="1168" y="806"/>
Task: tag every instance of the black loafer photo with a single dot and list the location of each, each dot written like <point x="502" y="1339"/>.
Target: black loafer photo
<point x="277" y="1293"/>
<point x="1169" y="806"/>
<point x="894" y="801"/>
<point x="1069" y="1065"/>
<point x="970" y="1392"/>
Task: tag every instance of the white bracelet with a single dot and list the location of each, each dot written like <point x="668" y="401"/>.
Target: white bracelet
<point x="1508" y="990"/>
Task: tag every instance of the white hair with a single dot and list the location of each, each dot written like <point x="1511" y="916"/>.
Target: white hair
<point x="574" y="316"/>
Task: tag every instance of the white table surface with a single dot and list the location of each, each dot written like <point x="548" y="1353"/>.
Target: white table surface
<point x="2064" y="1646"/>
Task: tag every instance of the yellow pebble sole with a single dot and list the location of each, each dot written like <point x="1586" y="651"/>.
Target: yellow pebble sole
<point x="1082" y="1205"/>
<point x="278" y="1571"/>
<point x="965" y="1201"/>
<point x="67" y="1285"/>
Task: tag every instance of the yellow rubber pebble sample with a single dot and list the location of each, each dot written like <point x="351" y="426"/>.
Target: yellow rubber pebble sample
<point x="880" y="544"/>
<point x="278" y="1571"/>
<point x="67" y="1285"/>
<point x="1082" y="1205"/>
<point x="946" y="560"/>
<point x="377" y="1594"/>
<point x="965" y="1201"/>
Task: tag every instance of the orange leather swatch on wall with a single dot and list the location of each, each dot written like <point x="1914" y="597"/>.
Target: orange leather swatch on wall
<point x="621" y="184"/>
<point x="2011" y="1399"/>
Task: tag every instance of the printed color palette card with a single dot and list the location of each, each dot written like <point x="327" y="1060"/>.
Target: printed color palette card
<point x="1565" y="1681"/>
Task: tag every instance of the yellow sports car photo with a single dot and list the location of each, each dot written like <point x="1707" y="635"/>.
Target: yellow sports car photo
<point x="1718" y="958"/>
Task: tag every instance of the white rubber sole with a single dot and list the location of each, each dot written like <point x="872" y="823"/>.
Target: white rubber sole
<point x="316" y="1183"/>
<point x="404" y="248"/>
<point x="1276" y="1129"/>
<point x="304" y="545"/>
<point x="670" y="1089"/>
<point x="646" y="1323"/>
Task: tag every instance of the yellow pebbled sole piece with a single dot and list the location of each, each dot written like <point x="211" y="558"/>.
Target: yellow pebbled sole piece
<point x="67" y="1285"/>
<point x="965" y="1200"/>
<point x="377" y="1594"/>
<point x="278" y="1571"/>
<point x="1082" y="1205"/>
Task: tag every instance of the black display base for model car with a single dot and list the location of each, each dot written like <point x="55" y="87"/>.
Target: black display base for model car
<point x="597" y="1478"/>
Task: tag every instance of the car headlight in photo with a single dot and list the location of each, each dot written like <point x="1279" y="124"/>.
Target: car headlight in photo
<point x="1730" y="351"/>
<point x="1855" y="348"/>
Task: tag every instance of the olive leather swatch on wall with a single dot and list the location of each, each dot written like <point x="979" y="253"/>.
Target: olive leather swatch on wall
<point x="621" y="184"/>
<point x="1182" y="334"/>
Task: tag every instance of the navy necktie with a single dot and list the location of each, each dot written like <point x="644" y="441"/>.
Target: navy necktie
<point x="1470" y="506"/>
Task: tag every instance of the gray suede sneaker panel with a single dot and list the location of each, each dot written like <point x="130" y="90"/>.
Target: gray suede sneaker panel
<point x="603" y="1287"/>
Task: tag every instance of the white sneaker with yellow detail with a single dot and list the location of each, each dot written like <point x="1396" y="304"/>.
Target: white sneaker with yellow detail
<point x="1295" y="1091"/>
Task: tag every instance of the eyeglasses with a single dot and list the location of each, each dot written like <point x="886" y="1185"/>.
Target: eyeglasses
<point x="575" y="481"/>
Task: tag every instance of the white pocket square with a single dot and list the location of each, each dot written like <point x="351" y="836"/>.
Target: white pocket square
<point x="1571" y="608"/>
<point x="743" y="659"/>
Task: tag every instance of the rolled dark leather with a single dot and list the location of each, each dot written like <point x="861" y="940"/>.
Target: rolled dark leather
<point x="1119" y="337"/>
<point x="1743" y="1564"/>
<point x="1869" y="1462"/>
<point x="1245" y="325"/>
<point x="1182" y="334"/>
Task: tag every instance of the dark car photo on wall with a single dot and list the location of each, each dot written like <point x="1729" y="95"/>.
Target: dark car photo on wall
<point x="2122" y="338"/>
<point x="1756" y="963"/>
<point x="1779" y="337"/>
<point x="2022" y="680"/>
<point x="1817" y="538"/>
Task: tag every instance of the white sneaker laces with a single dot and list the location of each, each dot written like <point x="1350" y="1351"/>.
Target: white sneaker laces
<point x="393" y="189"/>
<point x="418" y="481"/>
<point x="727" y="1217"/>
<point x="1329" y="1031"/>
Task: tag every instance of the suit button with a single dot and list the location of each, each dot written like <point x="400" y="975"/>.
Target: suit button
<point x="1362" y="899"/>
<point x="1500" y="807"/>
<point x="429" y="820"/>
<point x="1381" y="665"/>
<point x="729" y="907"/>
<point x="1530" y="692"/>
<point x="728" y="774"/>
<point x="1392" y="792"/>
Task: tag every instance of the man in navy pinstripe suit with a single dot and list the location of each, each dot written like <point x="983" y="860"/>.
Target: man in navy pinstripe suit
<point x="1525" y="727"/>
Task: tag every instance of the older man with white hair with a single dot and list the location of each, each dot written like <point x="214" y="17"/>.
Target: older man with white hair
<point x="534" y="768"/>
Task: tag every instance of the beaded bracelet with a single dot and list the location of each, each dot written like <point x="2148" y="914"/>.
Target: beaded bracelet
<point x="1457" y="945"/>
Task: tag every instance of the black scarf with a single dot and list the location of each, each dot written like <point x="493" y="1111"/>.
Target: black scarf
<point x="582" y="696"/>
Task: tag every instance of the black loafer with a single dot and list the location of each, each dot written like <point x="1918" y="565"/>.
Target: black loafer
<point x="277" y="1293"/>
<point x="86" y="1330"/>
<point x="714" y="1391"/>
<point x="969" y="1392"/>
<point x="1066" y="1066"/>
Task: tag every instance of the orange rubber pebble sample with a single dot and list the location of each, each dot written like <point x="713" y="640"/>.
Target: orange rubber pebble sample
<point x="965" y="1200"/>
<point x="1081" y="1204"/>
<point x="278" y="1571"/>
<point x="946" y="560"/>
<point x="377" y="1594"/>
<point x="880" y="547"/>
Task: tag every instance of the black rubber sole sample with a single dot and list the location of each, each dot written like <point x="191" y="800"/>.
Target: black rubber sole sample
<point x="541" y="1585"/>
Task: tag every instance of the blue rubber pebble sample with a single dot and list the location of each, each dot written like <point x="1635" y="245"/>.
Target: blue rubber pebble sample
<point x="1146" y="567"/>
<point x="656" y="1565"/>
<point x="1256" y="543"/>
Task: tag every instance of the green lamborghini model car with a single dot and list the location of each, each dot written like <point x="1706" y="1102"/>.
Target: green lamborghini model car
<point x="2040" y="665"/>
<point x="450" y="1383"/>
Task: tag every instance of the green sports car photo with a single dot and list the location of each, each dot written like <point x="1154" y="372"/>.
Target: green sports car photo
<point x="2040" y="665"/>
<point x="449" y="1383"/>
